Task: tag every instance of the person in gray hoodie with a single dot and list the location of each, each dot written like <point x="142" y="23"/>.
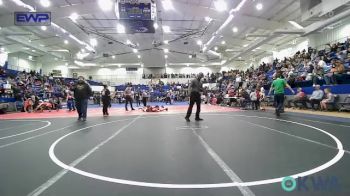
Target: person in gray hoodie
<point x="82" y="93"/>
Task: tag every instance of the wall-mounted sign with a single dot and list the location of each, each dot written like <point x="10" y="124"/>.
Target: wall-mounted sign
<point x="32" y="18"/>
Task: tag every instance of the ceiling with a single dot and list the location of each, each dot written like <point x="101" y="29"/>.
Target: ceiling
<point x="255" y="38"/>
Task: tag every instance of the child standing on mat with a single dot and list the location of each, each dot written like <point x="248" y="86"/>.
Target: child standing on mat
<point x="195" y="90"/>
<point x="278" y="85"/>
<point x="106" y="100"/>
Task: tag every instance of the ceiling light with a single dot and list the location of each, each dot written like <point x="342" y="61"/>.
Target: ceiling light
<point x="199" y="42"/>
<point x="2" y="49"/>
<point x="113" y="57"/>
<point x="216" y="48"/>
<point x="43" y="28"/>
<point x="166" y="29"/>
<point x="259" y="6"/>
<point x="73" y="67"/>
<point x="134" y="50"/>
<point x="166" y="50"/>
<point x="296" y="25"/>
<point x="165" y="56"/>
<point x="119" y="65"/>
<point x="33" y="50"/>
<point x="155" y="25"/>
<point x="167" y="5"/>
<point x="189" y="56"/>
<point x="66" y="42"/>
<point x="235" y="29"/>
<point x="138" y="56"/>
<point x="1" y="2"/>
<point x="45" y="3"/>
<point x="239" y="57"/>
<point x="207" y="18"/>
<point x="223" y="42"/>
<point x="141" y="64"/>
<point x="74" y="16"/>
<point x="30" y="57"/>
<point x="245" y="45"/>
<point x="82" y="50"/>
<point x="93" y="42"/>
<point x="120" y="28"/>
<point x="188" y="65"/>
<point x="166" y="65"/>
<point x="42" y="45"/>
<point x="220" y="5"/>
<point x="166" y="41"/>
<point x="56" y="59"/>
<point x="29" y="40"/>
<point x="203" y="65"/>
<point x="128" y="42"/>
<point x="82" y="55"/>
<point x="105" y="5"/>
<point x="66" y="64"/>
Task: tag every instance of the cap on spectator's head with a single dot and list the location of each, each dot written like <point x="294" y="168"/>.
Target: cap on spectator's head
<point x="81" y="78"/>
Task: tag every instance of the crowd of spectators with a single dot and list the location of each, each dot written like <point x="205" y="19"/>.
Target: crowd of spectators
<point x="210" y="77"/>
<point x="305" y="68"/>
<point x="309" y="67"/>
<point x="33" y="90"/>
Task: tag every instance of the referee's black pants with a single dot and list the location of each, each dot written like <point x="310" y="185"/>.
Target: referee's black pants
<point x="195" y="97"/>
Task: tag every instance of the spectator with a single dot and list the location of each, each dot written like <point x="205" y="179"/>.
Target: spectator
<point x="70" y="103"/>
<point x="255" y="98"/>
<point x="316" y="97"/>
<point x="336" y="71"/>
<point x="318" y="73"/>
<point x="300" y="97"/>
<point x="329" y="99"/>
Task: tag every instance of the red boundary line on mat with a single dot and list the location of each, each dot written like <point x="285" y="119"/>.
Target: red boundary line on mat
<point x="94" y="112"/>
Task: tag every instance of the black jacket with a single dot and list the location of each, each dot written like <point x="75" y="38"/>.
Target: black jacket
<point x="106" y="96"/>
<point x="82" y="90"/>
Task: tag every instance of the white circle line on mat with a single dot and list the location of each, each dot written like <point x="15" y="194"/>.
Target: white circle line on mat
<point x="48" y="123"/>
<point x="324" y="166"/>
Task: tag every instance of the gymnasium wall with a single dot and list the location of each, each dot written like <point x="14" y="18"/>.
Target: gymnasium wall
<point x="334" y="33"/>
<point x="19" y="61"/>
<point x="195" y="70"/>
<point x="47" y="68"/>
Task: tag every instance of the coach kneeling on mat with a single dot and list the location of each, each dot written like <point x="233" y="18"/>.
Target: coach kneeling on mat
<point x="195" y="89"/>
<point x="82" y="93"/>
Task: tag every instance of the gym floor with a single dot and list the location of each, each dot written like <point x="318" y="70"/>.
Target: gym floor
<point x="231" y="152"/>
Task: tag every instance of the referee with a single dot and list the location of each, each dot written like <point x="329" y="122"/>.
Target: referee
<point x="195" y="89"/>
<point x="278" y="86"/>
